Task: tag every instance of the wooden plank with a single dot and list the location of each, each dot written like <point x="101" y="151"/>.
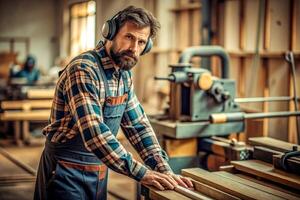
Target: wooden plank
<point x="272" y="143"/>
<point x="270" y="185"/>
<point x="190" y="193"/>
<point x="280" y="30"/>
<point x="40" y="93"/>
<point x="255" y="185"/>
<point x="35" y="115"/>
<point x="227" y="168"/>
<point x="212" y="192"/>
<point x="31" y="104"/>
<point x="231" y="19"/>
<point x="228" y="186"/>
<point x="165" y="195"/>
<point x="265" y="170"/>
<point x="278" y="82"/>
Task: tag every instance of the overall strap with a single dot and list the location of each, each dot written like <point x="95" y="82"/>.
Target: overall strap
<point x="126" y="77"/>
<point x="102" y="73"/>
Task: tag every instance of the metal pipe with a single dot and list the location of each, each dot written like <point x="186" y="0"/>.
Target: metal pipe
<point x="207" y="51"/>
<point x="241" y="116"/>
<point x="264" y="99"/>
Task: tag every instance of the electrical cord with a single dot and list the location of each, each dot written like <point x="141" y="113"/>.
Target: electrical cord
<point x="289" y="57"/>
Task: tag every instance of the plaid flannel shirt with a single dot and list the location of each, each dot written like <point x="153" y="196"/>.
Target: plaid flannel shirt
<point x="77" y="109"/>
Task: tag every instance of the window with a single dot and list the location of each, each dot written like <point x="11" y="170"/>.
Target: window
<point x="82" y="31"/>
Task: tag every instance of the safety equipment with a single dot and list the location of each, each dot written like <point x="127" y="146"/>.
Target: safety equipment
<point x="110" y="30"/>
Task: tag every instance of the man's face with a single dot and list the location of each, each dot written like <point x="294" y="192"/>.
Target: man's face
<point x="128" y="44"/>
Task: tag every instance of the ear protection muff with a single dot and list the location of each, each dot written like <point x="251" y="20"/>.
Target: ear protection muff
<point x="110" y="30"/>
<point x="148" y="46"/>
<point x="110" y="27"/>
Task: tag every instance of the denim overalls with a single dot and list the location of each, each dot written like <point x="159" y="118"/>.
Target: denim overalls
<point x="67" y="170"/>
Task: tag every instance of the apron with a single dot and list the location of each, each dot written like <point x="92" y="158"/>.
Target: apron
<point x="68" y="170"/>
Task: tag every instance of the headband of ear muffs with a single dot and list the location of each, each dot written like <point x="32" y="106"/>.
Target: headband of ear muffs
<point x="110" y="30"/>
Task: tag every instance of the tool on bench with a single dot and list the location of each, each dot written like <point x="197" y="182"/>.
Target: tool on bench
<point x="293" y="153"/>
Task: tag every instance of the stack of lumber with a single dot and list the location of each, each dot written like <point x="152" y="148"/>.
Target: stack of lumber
<point x="251" y="179"/>
<point x="247" y="179"/>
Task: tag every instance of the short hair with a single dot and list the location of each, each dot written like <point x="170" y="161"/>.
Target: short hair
<point x="139" y="16"/>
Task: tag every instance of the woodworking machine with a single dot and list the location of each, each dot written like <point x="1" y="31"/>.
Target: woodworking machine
<point x="202" y="105"/>
<point x="195" y="94"/>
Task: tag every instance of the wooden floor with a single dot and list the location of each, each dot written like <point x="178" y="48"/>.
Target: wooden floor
<point x="119" y="186"/>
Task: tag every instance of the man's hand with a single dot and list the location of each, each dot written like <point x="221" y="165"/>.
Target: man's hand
<point x="181" y="180"/>
<point x="165" y="181"/>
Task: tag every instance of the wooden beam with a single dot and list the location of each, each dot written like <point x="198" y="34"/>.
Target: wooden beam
<point x="288" y="191"/>
<point x="255" y="185"/>
<point x="35" y="115"/>
<point x="40" y="93"/>
<point x="31" y="104"/>
<point x="191" y="194"/>
<point x="165" y="195"/>
<point x="272" y="143"/>
<point x="266" y="171"/>
<point x="228" y="186"/>
<point x="212" y="192"/>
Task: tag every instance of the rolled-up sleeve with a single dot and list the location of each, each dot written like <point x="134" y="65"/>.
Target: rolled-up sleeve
<point x="139" y="132"/>
<point x="81" y="92"/>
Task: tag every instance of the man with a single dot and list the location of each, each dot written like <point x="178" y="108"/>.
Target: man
<point x="29" y="71"/>
<point x="94" y="96"/>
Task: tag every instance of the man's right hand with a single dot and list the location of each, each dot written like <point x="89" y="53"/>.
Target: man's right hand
<point x="159" y="180"/>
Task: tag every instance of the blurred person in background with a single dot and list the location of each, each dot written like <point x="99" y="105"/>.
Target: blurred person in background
<point x="30" y="73"/>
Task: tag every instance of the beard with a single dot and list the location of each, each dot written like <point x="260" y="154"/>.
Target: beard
<point x="125" y="59"/>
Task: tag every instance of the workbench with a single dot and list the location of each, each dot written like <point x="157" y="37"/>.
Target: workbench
<point x="247" y="179"/>
<point x="22" y="112"/>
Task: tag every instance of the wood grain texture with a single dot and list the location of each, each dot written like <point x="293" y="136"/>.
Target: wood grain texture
<point x="237" y="189"/>
<point x="265" y="170"/>
<point x="256" y="185"/>
<point x="212" y="192"/>
<point x="271" y="143"/>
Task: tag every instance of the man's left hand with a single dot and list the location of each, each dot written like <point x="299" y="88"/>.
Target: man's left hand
<point x="181" y="180"/>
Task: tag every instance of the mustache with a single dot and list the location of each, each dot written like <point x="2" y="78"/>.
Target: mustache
<point x="129" y="54"/>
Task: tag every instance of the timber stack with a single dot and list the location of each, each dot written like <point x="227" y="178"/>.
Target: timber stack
<point x="272" y="173"/>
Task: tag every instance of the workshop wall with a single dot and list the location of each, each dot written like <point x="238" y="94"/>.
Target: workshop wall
<point x="33" y="19"/>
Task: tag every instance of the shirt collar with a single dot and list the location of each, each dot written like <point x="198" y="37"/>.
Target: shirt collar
<point x="105" y="59"/>
<point x="107" y="63"/>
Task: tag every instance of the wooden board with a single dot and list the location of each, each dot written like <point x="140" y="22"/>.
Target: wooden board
<point x="270" y="185"/>
<point x="212" y="192"/>
<point x="265" y="170"/>
<point x="271" y="143"/>
<point x="26" y="104"/>
<point x="165" y="195"/>
<point x="255" y="185"/>
<point x="35" y="115"/>
<point x="237" y="189"/>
